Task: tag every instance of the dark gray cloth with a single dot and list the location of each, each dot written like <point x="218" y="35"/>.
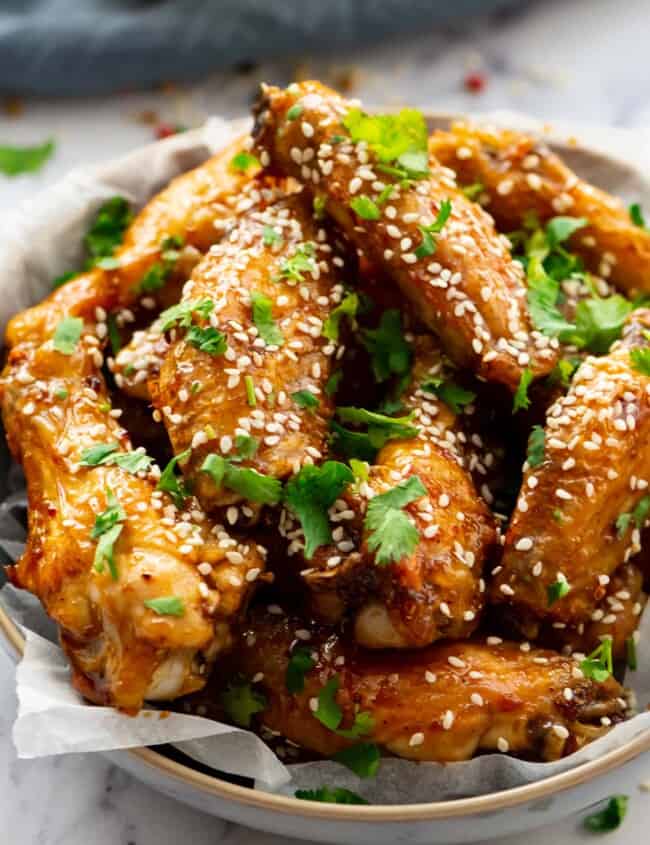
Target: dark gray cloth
<point x="93" y="46"/>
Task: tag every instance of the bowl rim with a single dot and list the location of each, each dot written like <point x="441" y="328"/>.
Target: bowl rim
<point x="393" y="813"/>
<point x="424" y="812"/>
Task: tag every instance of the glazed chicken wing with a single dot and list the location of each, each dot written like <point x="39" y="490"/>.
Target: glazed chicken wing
<point x="269" y="287"/>
<point x="443" y="703"/>
<point x="517" y="174"/>
<point x="584" y="502"/>
<point x="195" y="207"/>
<point x="143" y="595"/>
<point x="437" y="589"/>
<point x="464" y="283"/>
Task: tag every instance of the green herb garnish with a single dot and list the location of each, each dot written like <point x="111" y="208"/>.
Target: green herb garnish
<point x="610" y="818"/>
<point x="599" y="665"/>
<point x="166" y="606"/>
<point x="305" y="399"/>
<point x="428" y="245"/>
<point x="535" y="453"/>
<point x="640" y="359"/>
<point x="348" y="307"/>
<point x="247" y="482"/>
<point x="173" y="484"/>
<point x="522" y="400"/>
<point x="243" y="161"/>
<point x="365" y="208"/>
<point x="16" y="160"/>
<point x="557" y="591"/>
<point x="390" y="353"/>
<point x="330" y="795"/>
<point x="263" y="318"/>
<point x="391" y="534"/>
<point x="299" y="664"/>
<point x="67" y="335"/>
<point x="240" y="702"/>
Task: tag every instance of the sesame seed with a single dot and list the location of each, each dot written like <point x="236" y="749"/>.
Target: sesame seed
<point x="477" y="699"/>
<point x="416" y="739"/>
<point x="448" y="720"/>
<point x="524" y="545"/>
<point x="507" y="590"/>
<point x="503" y="745"/>
<point x="430" y="677"/>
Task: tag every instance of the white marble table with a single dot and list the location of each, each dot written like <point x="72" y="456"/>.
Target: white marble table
<point x="584" y="60"/>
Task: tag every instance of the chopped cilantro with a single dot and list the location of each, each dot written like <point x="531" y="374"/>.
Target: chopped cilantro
<point x="623" y="521"/>
<point x="640" y="359"/>
<point x="243" y="161"/>
<point x="107" y="453"/>
<point x="295" y="111"/>
<point x="302" y="261"/>
<point x="330" y="795"/>
<point x="114" y="336"/>
<point x="352" y="444"/>
<point x="299" y="664"/>
<point x="171" y="483"/>
<point x="310" y="494"/>
<point x="305" y="399"/>
<point x="95" y="455"/>
<point x="110" y="262"/>
<point x="365" y="208"/>
<point x="246" y="447"/>
<point x="535" y="454"/>
<point x="319" y="204"/>
<point x="240" y="702"/>
<point x="557" y="590"/>
<point x="271" y="237"/>
<point x="362" y="759"/>
<point x="348" y="307"/>
<point x="599" y="322"/>
<point x="380" y="427"/>
<point x="263" y="318"/>
<point x="63" y="278"/>
<point x="389" y="351"/>
<point x="563" y="371"/>
<point x="610" y="818"/>
<point x="61" y="394"/>
<point x="542" y="295"/>
<point x="599" y="665"/>
<point x="16" y="160"/>
<point x="67" y="335"/>
<point x="630" y="653"/>
<point x="640" y="512"/>
<point x="208" y="340"/>
<point x="330" y="714"/>
<point x="107" y="519"/>
<point x="522" y="400"/>
<point x="452" y="394"/>
<point x="636" y="215"/>
<point x="360" y="469"/>
<point x="391" y="534"/>
<point x="181" y="314"/>
<point x="473" y="191"/>
<point x="166" y="606"/>
<point x="557" y="515"/>
<point x="560" y="229"/>
<point x="332" y="383"/>
<point x="428" y="245"/>
<point x="249" y="483"/>
<point x="105" y="551"/>
<point x="107" y="230"/>
<point x="399" y="138"/>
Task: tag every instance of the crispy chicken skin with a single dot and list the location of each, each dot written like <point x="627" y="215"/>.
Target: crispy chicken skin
<point x="122" y="652"/>
<point x="249" y="390"/>
<point x="469" y="292"/>
<point x="596" y="467"/>
<point x="195" y="206"/>
<point x="437" y="591"/>
<point x="519" y="175"/>
<point x="443" y="703"/>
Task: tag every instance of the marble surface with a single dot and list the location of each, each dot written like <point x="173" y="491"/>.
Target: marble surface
<point x="569" y="59"/>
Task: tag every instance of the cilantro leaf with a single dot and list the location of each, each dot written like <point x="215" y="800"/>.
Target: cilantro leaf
<point x="360" y="469"/>
<point x="362" y="759"/>
<point x="330" y="714"/>
<point x="473" y="191"/>
<point x="640" y="359"/>
<point x="389" y="351"/>
<point x="346" y="308"/>
<point x="107" y="519"/>
<point x="95" y="455"/>
<point x="599" y="322"/>
<point x="522" y="400"/>
<point x="610" y="818"/>
<point x="171" y="483"/>
<point x="452" y="394"/>
<point x="302" y="261"/>
<point x="330" y="795"/>
<point x="310" y="494"/>
<point x="271" y="237"/>
<point x="352" y="444"/>
<point x="400" y="138"/>
<point x="67" y="335"/>
<point x="380" y="427"/>
<point x="181" y="315"/>
<point x="305" y="399"/>
<point x="623" y="521"/>
<point x="105" y="550"/>
<point x="242" y="161"/>
<point x="240" y="702"/>
<point x="599" y="665"/>
<point x="535" y="454"/>
<point x="114" y="337"/>
<point x="295" y="111"/>
<point x="263" y="318"/>
<point x="63" y="278"/>
<point x="560" y="229"/>
<point x="428" y="245"/>
<point x="16" y="160"/>
<point x="636" y="215"/>
<point x="106" y="232"/>
<point x="332" y="383"/>
<point x="246" y="447"/>
<point x="107" y="453"/>
<point x="249" y="483"/>
<point x="166" y="606"/>
<point x="391" y="534"/>
<point x="557" y="591"/>
<point x="640" y="512"/>
<point x="630" y="653"/>
<point x="299" y="664"/>
<point x="542" y="296"/>
<point x="563" y="371"/>
<point x="365" y="208"/>
<point x="209" y="340"/>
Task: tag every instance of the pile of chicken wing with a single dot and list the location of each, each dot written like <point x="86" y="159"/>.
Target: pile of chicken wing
<point x="345" y="438"/>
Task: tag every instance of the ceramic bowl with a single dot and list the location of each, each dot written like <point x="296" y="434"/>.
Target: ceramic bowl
<point x="451" y="821"/>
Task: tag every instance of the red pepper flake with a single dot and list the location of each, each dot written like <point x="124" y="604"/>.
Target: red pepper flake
<point x="475" y="82"/>
<point x="166" y="130"/>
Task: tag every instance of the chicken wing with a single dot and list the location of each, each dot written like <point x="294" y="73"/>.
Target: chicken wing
<point x="195" y="207"/>
<point x="464" y="284"/>
<point x="584" y="501"/>
<point x="444" y="703"/>
<point x="518" y="175"/>
<point x="435" y="590"/>
<point x="269" y="287"/>
<point x="144" y="595"/>
<point x="140" y="361"/>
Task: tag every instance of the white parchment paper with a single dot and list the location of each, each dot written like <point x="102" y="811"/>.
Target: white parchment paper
<point x="43" y="239"/>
